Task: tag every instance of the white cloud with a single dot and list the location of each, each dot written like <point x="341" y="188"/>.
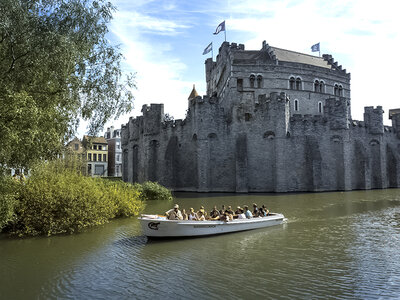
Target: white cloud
<point x="363" y="36"/>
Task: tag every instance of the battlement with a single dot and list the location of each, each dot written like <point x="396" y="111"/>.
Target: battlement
<point x="331" y="61"/>
<point x="373" y="118"/>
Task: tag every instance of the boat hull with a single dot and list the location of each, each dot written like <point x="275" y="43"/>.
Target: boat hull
<point x="153" y="227"/>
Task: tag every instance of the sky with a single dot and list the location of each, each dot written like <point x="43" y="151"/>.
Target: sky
<point x="163" y="42"/>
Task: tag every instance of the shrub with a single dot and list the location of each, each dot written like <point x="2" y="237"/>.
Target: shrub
<point x="8" y="194"/>
<point x="153" y="191"/>
<point x="58" y="199"/>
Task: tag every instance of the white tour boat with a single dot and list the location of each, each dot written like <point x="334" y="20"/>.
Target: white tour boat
<point x="158" y="226"/>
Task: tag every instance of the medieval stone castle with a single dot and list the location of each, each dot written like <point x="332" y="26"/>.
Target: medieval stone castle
<point x="273" y="120"/>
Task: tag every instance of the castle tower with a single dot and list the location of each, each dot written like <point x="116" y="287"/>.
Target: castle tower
<point x="193" y="93"/>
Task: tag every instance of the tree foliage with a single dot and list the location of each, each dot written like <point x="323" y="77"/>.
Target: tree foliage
<point x="56" y="66"/>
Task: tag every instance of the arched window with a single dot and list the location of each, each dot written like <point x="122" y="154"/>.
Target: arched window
<point x="322" y="86"/>
<point x="336" y="90"/>
<point x="252" y="79"/>
<point x="340" y="92"/>
<point x="292" y="83"/>
<point x="296" y="105"/>
<point x="298" y="83"/>
<point x="259" y="81"/>
<point x="320" y="107"/>
<point x="316" y="86"/>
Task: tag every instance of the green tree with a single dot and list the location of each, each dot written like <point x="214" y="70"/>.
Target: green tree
<point x="56" y="66"/>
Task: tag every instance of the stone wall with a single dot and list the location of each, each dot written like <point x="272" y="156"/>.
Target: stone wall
<point x="250" y="139"/>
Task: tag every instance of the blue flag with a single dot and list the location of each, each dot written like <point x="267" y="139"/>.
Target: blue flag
<point x="315" y="48"/>
<point x="208" y="49"/>
<point x="221" y="27"/>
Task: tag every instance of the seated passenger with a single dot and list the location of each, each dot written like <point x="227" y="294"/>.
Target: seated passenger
<point x="200" y="215"/>
<point x="192" y="215"/>
<point x="241" y="215"/>
<point x="256" y="211"/>
<point x="266" y="211"/>
<point x="247" y="212"/>
<point x="204" y="212"/>
<point x="214" y="214"/>
<point x="174" y="213"/>
<point x="230" y="212"/>
<point x="261" y="212"/>
<point x="237" y="211"/>
<point x="184" y="214"/>
<point x="225" y="217"/>
<point x="222" y="210"/>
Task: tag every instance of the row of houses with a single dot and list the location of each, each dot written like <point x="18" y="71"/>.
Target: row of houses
<point x="102" y="156"/>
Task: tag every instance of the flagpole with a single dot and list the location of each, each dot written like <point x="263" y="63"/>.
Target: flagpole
<point x="225" y="30"/>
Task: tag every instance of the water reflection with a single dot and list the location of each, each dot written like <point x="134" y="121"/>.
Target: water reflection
<point x="334" y="245"/>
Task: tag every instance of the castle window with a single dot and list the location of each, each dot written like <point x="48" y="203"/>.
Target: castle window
<point x="76" y="146"/>
<point x="320" y="107"/>
<point x="99" y="157"/>
<point x="322" y="86"/>
<point x="252" y="79"/>
<point x="296" y="105"/>
<point x="89" y="156"/>
<point x="259" y="81"/>
<point x="336" y="90"/>
<point x="94" y="157"/>
<point x="316" y="86"/>
<point x="292" y="83"/>
<point x="104" y="157"/>
<point x="247" y="117"/>
<point x="240" y="84"/>
<point x="298" y="83"/>
<point x="340" y="91"/>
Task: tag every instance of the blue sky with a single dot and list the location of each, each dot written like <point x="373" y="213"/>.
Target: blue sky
<point x="163" y="42"/>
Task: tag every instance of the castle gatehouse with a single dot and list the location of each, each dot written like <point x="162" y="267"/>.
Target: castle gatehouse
<point x="273" y="120"/>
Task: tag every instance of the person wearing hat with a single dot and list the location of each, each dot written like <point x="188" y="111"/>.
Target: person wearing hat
<point x="241" y="215"/>
<point x="256" y="211"/>
<point x="174" y="213"/>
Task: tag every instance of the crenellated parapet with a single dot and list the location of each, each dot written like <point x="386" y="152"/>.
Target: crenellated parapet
<point x="334" y="64"/>
<point x="373" y="118"/>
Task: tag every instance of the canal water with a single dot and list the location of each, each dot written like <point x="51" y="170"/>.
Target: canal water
<point x="333" y="246"/>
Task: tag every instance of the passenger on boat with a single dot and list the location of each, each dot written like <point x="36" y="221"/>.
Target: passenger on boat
<point x="204" y="212"/>
<point x="184" y="214"/>
<point x="256" y="211"/>
<point x="192" y="215"/>
<point x="174" y="213"/>
<point x="230" y="212"/>
<point x="237" y="211"/>
<point x="214" y="214"/>
<point x="225" y="217"/>
<point x="247" y="212"/>
<point x="201" y="214"/>
<point x="222" y="210"/>
<point x="266" y="211"/>
<point x="241" y="215"/>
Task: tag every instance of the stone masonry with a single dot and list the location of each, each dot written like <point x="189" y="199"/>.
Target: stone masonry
<point x="273" y="120"/>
